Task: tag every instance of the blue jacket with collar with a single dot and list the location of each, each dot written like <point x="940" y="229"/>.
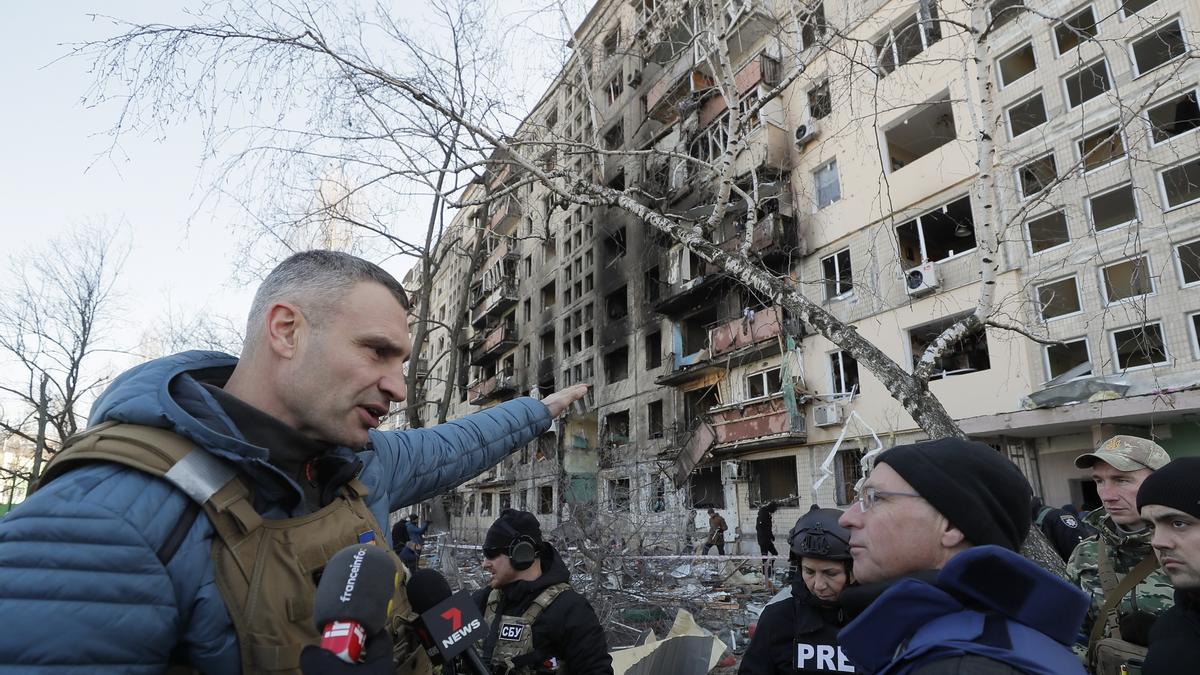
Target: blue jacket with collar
<point x="81" y="586"/>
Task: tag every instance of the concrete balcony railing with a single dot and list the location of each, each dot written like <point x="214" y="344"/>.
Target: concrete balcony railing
<point x="504" y="214"/>
<point x="491" y="388"/>
<point x="740" y="333"/>
<point x="768" y="147"/>
<point x="759" y="423"/>
<point x="679" y="79"/>
<point x="774" y="234"/>
<point x="760" y="70"/>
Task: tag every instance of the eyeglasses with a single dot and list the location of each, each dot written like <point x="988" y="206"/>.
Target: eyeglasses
<point x="870" y="497"/>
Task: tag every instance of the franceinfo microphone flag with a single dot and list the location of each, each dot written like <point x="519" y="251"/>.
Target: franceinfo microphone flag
<point x="354" y="598"/>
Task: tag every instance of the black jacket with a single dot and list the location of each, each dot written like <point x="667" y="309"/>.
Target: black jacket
<point x="1063" y="529"/>
<point x="567" y="630"/>
<point x="787" y="624"/>
<point x="1175" y="638"/>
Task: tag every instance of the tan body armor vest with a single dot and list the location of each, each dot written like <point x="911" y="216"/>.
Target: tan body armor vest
<point x="264" y="568"/>
<point x="516" y="632"/>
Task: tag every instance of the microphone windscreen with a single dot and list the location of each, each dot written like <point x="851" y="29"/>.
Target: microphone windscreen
<point x="358" y="584"/>
<point x="426" y="589"/>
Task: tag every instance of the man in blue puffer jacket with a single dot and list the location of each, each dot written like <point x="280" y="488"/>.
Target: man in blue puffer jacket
<point x="85" y="585"/>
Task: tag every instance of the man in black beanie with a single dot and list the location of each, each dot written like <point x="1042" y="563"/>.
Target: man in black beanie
<point x="937" y="527"/>
<point x="536" y="622"/>
<point x="1169" y="500"/>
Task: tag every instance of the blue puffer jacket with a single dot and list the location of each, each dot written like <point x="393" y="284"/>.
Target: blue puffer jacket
<point x="81" y="587"/>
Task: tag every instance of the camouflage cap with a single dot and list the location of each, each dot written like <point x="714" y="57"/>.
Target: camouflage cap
<point x="1126" y="453"/>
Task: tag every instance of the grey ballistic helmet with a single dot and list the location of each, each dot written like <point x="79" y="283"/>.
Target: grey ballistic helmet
<point x="818" y="535"/>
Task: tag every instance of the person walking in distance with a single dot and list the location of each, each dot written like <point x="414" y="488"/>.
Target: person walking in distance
<point x="716" y="533"/>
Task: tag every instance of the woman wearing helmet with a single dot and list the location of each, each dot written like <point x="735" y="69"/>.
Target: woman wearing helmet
<point x="799" y="635"/>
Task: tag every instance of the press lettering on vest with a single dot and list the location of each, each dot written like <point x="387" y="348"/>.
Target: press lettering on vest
<point x="822" y="657"/>
<point x="354" y="568"/>
<point x="511" y="631"/>
<point x="461" y="633"/>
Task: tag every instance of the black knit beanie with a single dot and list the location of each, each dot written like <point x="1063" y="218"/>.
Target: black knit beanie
<point x="511" y="524"/>
<point x="979" y="491"/>
<point x="1176" y="486"/>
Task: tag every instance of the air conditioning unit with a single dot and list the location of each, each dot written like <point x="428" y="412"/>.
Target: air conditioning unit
<point x="921" y="279"/>
<point x="732" y="470"/>
<point x="827" y="414"/>
<point x="634" y="79"/>
<point x="805" y="133"/>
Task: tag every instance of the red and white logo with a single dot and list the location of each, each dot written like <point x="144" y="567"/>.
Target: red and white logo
<point x="345" y="639"/>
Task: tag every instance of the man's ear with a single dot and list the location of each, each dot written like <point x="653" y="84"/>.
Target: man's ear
<point x="284" y="323"/>
<point x="952" y="537"/>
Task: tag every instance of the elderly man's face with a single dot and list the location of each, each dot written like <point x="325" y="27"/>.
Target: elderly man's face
<point x="1176" y="542"/>
<point x="351" y="369"/>
<point x="896" y="536"/>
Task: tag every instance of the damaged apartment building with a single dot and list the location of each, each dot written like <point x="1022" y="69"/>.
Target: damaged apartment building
<point x="865" y="176"/>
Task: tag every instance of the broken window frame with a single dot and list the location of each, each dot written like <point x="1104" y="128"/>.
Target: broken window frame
<point x="1142" y="271"/>
<point x="1193" y="319"/>
<point x="1028" y="44"/>
<point x="1126" y="14"/>
<point x="1144" y="327"/>
<point x="772" y="469"/>
<point x="820" y="104"/>
<point x="1179" y="263"/>
<point x="1154" y="34"/>
<point x="928" y="30"/>
<point x="840" y="362"/>
<point x="941" y="100"/>
<point x="812" y="22"/>
<point x="1109" y="132"/>
<point x="844" y="493"/>
<point x="1068" y="27"/>
<point x="1042" y="303"/>
<point x="1036" y="180"/>
<point x="941" y="325"/>
<point x="1006" y="14"/>
<point x="763" y="378"/>
<point x="620" y="495"/>
<point x="1049" y="214"/>
<point x="840" y="285"/>
<point x="921" y="235"/>
<point x="713" y="475"/>
<point x="545" y="505"/>
<point x="1116" y="226"/>
<point x="1194" y="93"/>
<point x="1161" y="176"/>
<point x="1050" y="375"/>
<point x="654" y="430"/>
<point x="1008" y="112"/>
<point x="821" y="182"/>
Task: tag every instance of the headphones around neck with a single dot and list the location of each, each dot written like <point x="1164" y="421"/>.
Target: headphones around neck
<point x="522" y="550"/>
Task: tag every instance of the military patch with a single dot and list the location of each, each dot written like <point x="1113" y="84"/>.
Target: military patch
<point x="1069" y="520"/>
<point x="511" y="631"/>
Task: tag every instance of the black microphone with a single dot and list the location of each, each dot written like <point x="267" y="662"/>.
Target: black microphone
<point x="449" y="623"/>
<point x="351" y="608"/>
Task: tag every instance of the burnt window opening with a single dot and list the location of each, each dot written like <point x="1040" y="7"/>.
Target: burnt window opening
<point x="848" y="471"/>
<point x="548" y="346"/>
<point x="659" y="503"/>
<point x="616" y="365"/>
<point x="505" y="500"/>
<point x="616" y="428"/>
<point x="546" y="499"/>
<point x="548" y="295"/>
<point x="706" y="488"/>
<point x="694" y="330"/>
<point x="966" y="355"/>
<point x="614" y="246"/>
<point x="696" y="404"/>
<point x="773" y="480"/>
<point x="931" y="127"/>
<point x="1174" y="117"/>
<point x="549" y="250"/>
<point x="654" y="350"/>
<point x="938" y="234"/>
<point x="651" y="284"/>
<point x="654" y="419"/>
<point x="618" y="181"/>
<point x="612" y="42"/>
<point x="618" y="495"/>
<point x="616" y="304"/>
<point x="819" y="103"/>
<point x="614" y="138"/>
<point x="485" y="503"/>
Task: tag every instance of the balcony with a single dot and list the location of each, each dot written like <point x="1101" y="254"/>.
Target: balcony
<point x="494" y="343"/>
<point x="685" y="369"/>
<point x="504" y="248"/>
<point x="492" y="388"/>
<point x="683" y="296"/>
<point x="768" y="150"/>
<point x="494" y="301"/>
<point x="739" y="342"/>
<point x="504" y="214"/>
<point x="749" y="22"/>
<point x="421" y="366"/>
<point x="761" y="70"/>
<point x="774" y="235"/>
<point x="758" y="424"/>
<point x="676" y="81"/>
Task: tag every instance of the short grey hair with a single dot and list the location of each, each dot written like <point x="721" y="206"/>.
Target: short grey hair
<point x="315" y="281"/>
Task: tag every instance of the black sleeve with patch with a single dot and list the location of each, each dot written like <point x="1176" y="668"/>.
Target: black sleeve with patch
<point x="569" y="631"/>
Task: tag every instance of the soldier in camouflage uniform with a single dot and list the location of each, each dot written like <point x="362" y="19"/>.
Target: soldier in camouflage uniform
<point x="1119" y="466"/>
